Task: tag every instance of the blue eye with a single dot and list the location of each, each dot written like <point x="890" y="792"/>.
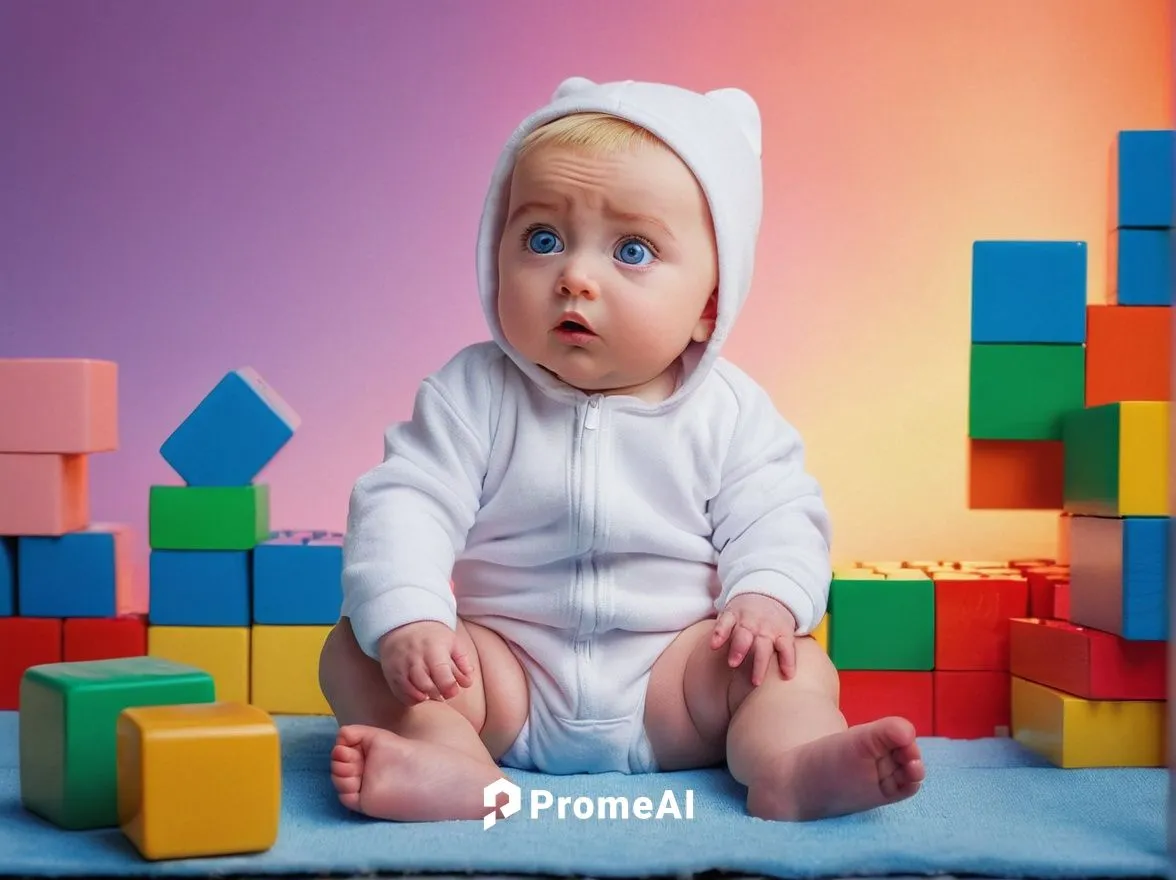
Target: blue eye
<point x="631" y="250"/>
<point x="543" y="241"/>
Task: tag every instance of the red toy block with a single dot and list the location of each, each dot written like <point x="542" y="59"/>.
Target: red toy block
<point x="44" y="494"/>
<point x="972" y="621"/>
<point x="1043" y="589"/>
<point x="1026" y="564"/>
<point x="1015" y="474"/>
<point x="972" y="704"/>
<point x="1086" y="662"/>
<point x="1061" y="602"/>
<point x="25" y="642"/>
<point x="1128" y="353"/>
<point x="867" y="695"/>
<point x="97" y="638"/>
<point x="58" y="405"/>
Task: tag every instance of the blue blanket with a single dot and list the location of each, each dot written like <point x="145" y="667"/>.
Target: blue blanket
<point x="988" y="807"/>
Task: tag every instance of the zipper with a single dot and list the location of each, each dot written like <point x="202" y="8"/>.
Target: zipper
<point x="592" y="417"/>
<point x="585" y="479"/>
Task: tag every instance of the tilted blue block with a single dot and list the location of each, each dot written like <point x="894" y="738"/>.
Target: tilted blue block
<point x="1143" y="271"/>
<point x="7" y="577"/>
<point x="200" y="588"/>
<point x="1119" y="575"/>
<point x="1029" y="291"/>
<point x="1145" y="578"/>
<point x="232" y="434"/>
<point x="297" y="579"/>
<point x="1145" y="178"/>
<point x="79" y="574"/>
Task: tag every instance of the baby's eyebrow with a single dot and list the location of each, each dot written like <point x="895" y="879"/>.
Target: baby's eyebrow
<point x="627" y="216"/>
<point x="530" y="206"/>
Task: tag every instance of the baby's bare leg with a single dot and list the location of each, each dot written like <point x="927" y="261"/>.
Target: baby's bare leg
<point x="429" y="761"/>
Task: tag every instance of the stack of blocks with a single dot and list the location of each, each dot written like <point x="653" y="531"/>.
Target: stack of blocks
<point x="67" y="585"/>
<point x="250" y="606"/>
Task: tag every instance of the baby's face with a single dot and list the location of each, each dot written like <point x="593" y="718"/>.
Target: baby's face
<point x="623" y="239"/>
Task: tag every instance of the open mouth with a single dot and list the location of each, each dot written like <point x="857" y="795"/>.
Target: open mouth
<point x="573" y="327"/>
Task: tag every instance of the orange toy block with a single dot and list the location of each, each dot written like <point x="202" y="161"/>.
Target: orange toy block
<point x="972" y="621"/>
<point x="867" y="695"/>
<point x="58" y="405"/>
<point x="1064" y="520"/>
<point x="1128" y="353"/>
<point x="1015" y="474"/>
<point x="972" y="704"/>
<point x="25" y="642"/>
<point x="98" y="638"/>
<point x="43" y="494"/>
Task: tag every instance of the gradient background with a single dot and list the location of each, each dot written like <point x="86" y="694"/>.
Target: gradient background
<point x="189" y="188"/>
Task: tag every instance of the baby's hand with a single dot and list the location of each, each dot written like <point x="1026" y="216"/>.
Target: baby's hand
<point x="421" y="662"/>
<point x="762" y="623"/>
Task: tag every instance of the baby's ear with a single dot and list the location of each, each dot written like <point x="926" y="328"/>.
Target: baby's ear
<point x="572" y="85"/>
<point x="746" y="112"/>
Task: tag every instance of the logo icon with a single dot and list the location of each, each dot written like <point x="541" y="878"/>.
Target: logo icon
<point x="490" y="793"/>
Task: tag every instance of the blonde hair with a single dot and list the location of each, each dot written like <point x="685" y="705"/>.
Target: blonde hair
<point x="594" y="133"/>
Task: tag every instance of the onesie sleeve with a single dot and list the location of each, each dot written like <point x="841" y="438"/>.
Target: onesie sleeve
<point x="409" y="517"/>
<point x="771" y="526"/>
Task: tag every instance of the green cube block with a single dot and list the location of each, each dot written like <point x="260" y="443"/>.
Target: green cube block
<point x="882" y="624"/>
<point x="1021" y="392"/>
<point x="68" y="719"/>
<point x="208" y="517"/>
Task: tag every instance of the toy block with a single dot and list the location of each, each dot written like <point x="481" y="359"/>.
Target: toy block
<point x="920" y="563"/>
<point x="971" y="704"/>
<point x="7" y="576"/>
<point x="972" y="621"/>
<point x="1142" y="164"/>
<point x="1086" y="662"/>
<point x="821" y="633"/>
<point x="1117" y="459"/>
<point x="1064" y="538"/>
<point x="1139" y="267"/>
<point x="285" y="669"/>
<point x="200" y="587"/>
<point x="67" y="723"/>
<point x="885" y="625"/>
<point x="1118" y="580"/>
<point x="1061" y="601"/>
<point x="297" y="579"/>
<point x="1026" y="564"/>
<point x="1021" y="392"/>
<point x="1042" y="592"/>
<point x="208" y="517"/>
<point x="199" y="780"/>
<point x="1029" y="291"/>
<point x="232" y="434"/>
<point x="1015" y="474"/>
<point x="1129" y="354"/>
<point x="1070" y="731"/>
<point x="91" y="638"/>
<point x="58" y="405"/>
<point x="87" y="573"/>
<point x="44" y="494"/>
<point x="26" y="641"/>
<point x="221" y="651"/>
<point x="870" y="695"/>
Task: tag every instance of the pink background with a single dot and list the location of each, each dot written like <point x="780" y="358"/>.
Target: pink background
<point x="194" y="187"/>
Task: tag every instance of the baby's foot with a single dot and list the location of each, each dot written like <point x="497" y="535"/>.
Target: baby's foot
<point x="387" y="776"/>
<point x="857" y="769"/>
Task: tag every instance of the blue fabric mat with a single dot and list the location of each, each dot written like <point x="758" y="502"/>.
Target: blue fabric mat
<point x="988" y="807"/>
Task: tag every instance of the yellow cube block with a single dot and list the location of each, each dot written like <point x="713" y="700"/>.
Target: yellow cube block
<point x="1143" y="459"/>
<point x="1073" y="732"/>
<point x="907" y="574"/>
<point x="221" y="651"/>
<point x="285" y="669"/>
<point x="202" y="779"/>
<point x="821" y="633"/>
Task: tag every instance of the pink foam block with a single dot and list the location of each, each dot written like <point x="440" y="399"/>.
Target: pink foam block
<point x="43" y="494"/>
<point x="58" y="405"/>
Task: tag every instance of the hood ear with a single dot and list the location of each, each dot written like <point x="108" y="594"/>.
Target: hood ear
<point x="742" y="106"/>
<point x="570" y="86"/>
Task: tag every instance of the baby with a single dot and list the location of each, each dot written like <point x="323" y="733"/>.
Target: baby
<point x="595" y="547"/>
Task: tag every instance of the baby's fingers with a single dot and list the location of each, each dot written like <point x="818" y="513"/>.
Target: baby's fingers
<point x="786" y="649"/>
<point x="723" y="626"/>
<point x="462" y="667"/>
<point x="441" y="672"/>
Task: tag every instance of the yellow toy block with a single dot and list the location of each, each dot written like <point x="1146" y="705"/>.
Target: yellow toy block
<point x="821" y="633"/>
<point x="202" y="779"/>
<point x="907" y="574"/>
<point x="285" y="669"/>
<point x="1072" y="732"/>
<point x="221" y="651"/>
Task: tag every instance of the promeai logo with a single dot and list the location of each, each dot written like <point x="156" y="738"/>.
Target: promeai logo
<point x="611" y="807"/>
<point x="514" y="799"/>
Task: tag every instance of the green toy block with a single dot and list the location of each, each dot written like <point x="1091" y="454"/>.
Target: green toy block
<point x="208" y="517"/>
<point x="882" y="624"/>
<point x="1021" y="392"/>
<point x="68" y="720"/>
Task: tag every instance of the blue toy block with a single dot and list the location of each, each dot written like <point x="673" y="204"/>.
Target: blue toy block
<point x="79" y="574"/>
<point x="1119" y="575"/>
<point x="7" y="577"/>
<point x="1029" y="291"/>
<point x="297" y="579"/>
<point x="1144" y="178"/>
<point x="1143" y="267"/>
<point x="200" y="588"/>
<point x="232" y="434"/>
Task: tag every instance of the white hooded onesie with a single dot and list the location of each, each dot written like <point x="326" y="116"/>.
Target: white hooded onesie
<point x="588" y="530"/>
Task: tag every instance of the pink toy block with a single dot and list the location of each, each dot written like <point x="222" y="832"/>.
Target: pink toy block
<point x="43" y="494"/>
<point x="66" y="406"/>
